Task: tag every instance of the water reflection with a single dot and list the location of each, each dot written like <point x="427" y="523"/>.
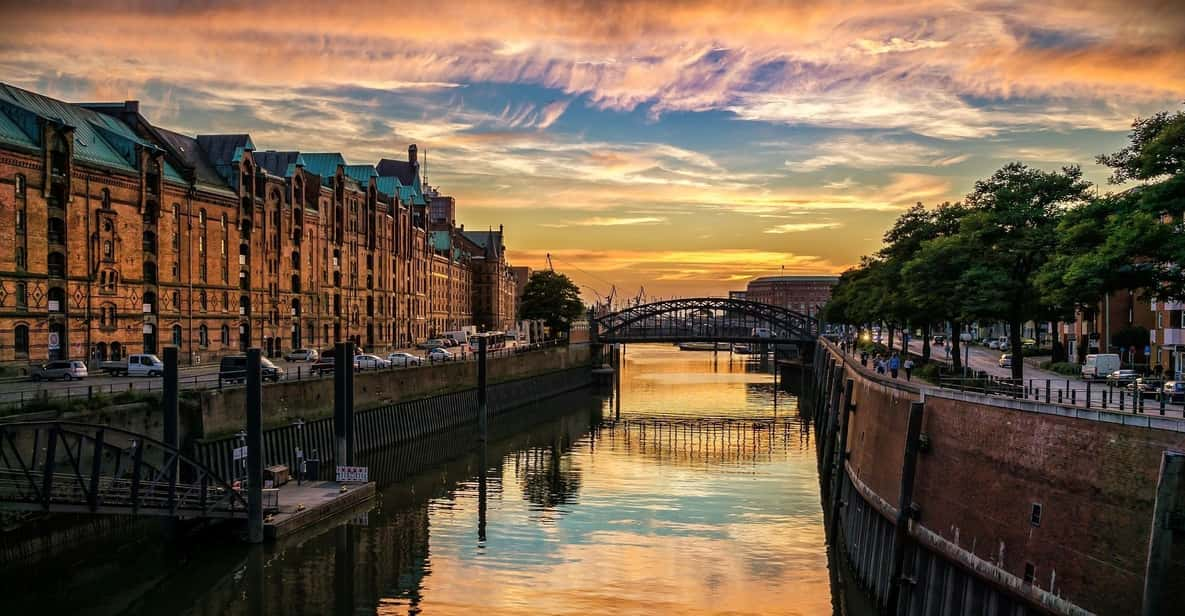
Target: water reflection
<point x="698" y="500"/>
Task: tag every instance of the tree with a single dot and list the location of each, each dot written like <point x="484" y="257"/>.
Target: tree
<point x="932" y="277"/>
<point x="553" y="298"/>
<point x="1010" y="230"/>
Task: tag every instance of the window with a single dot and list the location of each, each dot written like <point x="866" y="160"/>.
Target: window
<point x="225" y="335"/>
<point x="176" y="335"/>
<point x="20" y="221"/>
<point x="20" y="185"/>
<point x="176" y="300"/>
<point x="20" y="340"/>
<point x="222" y="221"/>
<point x="57" y="265"/>
<point x="108" y="250"/>
<point x="107" y="317"/>
<point x="107" y="281"/>
<point x="22" y="296"/>
<point x="1035" y="516"/>
<point x="202" y="301"/>
<point x="203" y="336"/>
<point x="225" y="301"/>
<point x="19" y="255"/>
<point x="202" y="219"/>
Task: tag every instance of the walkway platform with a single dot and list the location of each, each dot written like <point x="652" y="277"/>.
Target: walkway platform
<point x="311" y="503"/>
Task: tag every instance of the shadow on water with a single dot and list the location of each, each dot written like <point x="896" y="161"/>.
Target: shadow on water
<point x="380" y="554"/>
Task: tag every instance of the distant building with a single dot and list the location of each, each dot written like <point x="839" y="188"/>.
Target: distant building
<point x="741" y="295"/>
<point x="494" y="286"/>
<point x="522" y="274"/>
<point x="805" y="294"/>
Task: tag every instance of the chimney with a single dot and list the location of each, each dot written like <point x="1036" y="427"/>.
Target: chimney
<point x="411" y="155"/>
<point x="131" y="106"/>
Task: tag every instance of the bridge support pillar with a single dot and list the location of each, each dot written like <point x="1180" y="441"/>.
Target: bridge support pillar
<point x="254" y="447"/>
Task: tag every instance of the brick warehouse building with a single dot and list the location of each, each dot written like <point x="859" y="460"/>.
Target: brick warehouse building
<point x="805" y="294"/>
<point x="120" y="236"/>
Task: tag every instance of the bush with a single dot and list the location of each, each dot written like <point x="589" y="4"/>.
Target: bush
<point x="1067" y="368"/>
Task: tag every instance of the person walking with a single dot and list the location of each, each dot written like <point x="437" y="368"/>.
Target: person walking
<point x="864" y="358"/>
<point x="894" y="365"/>
<point x="908" y="365"/>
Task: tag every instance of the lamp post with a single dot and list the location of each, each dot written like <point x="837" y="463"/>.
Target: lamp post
<point x="241" y="437"/>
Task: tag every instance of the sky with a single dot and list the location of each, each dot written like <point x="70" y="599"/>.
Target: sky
<point x="679" y="147"/>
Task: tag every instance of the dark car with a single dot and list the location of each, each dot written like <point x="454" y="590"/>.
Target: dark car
<point x="233" y="369"/>
<point x="1145" y="387"/>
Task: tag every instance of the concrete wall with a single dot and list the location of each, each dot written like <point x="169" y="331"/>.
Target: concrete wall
<point x="221" y="411"/>
<point x="988" y="460"/>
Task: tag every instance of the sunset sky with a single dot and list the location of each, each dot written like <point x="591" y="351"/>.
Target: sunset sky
<point x="683" y="146"/>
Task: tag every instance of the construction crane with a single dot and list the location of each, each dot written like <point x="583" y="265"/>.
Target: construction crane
<point x="550" y="267"/>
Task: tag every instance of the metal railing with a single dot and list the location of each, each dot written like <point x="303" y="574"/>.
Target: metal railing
<point x="1068" y="392"/>
<point x="109" y="393"/>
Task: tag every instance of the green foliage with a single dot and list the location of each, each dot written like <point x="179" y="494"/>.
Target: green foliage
<point x="1067" y="368"/>
<point x="1157" y="149"/>
<point x="552" y="297"/>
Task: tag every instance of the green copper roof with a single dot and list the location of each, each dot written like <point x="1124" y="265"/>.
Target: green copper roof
<point x="439" y="239"/>
<point x="389" y="186"/>
<point x="98" y="138"/>
<point x="361" y="173"/>
<point x="323" y="164"/>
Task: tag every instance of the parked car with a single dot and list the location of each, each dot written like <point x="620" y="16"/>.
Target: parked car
<point x="366" y="361"/>
<point x="1120" y="378"/>
<point x="302" y="355"/>
<point x="994" y="345"/>
<point x="1006" y="360"/>
<point x="233" y="369"/>
<point x="65" y="369"/>
<point x="141" y="364"/>
<point x="1174" y="391"/>
<point x="431" y="343"/>
<point x="404" y="359"/>
<point x="1003" y="346"/>
<point x="1145" y="387"/>
<point x="1099" y="365"/>
<point x="439" y="354"/>
<point x="324" y="362"/>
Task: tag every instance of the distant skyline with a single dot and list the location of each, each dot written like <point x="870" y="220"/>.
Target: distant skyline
<point x="683" y="146"/>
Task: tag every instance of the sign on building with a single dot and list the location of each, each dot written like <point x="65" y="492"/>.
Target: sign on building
<point x="55" y="341"/>
<point x="359" y="474"/>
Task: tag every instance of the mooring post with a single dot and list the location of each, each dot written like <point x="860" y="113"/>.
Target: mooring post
<point x="1164" y="528"/>
<point x="350" y="406"/>
<point x="171" y="406"/>
<point x="841" y="458"/>
<point x="342" y="366"/>
<point x="905" y="503"/>
<point x="482" y="418"/>
<point x="254" y="447"/>
<point x="620" y="354"/>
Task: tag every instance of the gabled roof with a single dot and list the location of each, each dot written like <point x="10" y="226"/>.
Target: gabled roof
<point x="279" y="164"/>
<point x="361" y="173"/>
<point x="490" y="241"/>
<point x="323" y="164"/>
<point x="187" y="150"/>
<point x="389" y="185"/>
<point x="401" y="169"/>
<point x="98" y="138"/>
<point x="225" y="149"/>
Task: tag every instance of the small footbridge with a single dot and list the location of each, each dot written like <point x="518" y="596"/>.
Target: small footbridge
<point x="705" y="319"/>
<point x="68" y="467"/>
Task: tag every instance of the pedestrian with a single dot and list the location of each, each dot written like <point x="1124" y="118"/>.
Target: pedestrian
<point x="908" y="369"/>
<point x="947" y="346"/>
<point x="864" y="358"/>
<point x="894" y="364"/>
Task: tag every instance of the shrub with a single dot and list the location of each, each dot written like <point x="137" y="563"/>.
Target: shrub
<point x="1067" y="368"/>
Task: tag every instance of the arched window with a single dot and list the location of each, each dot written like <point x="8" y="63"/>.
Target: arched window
<point x="177" y="335"/>
<point x="203" y="336"/>
<point x="224" y="335"/>
<point x="149" y="272"/>
<point x="108" y="250"/>
<point x="149" y="303"/>
<point x="107" y="316"/>
<point x="116" y="351"/>
<point x="57" y="265"/>
<point x="20" y="340"/>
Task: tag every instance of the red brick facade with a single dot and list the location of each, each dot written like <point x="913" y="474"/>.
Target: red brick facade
<point x="206" y="243"/>
<point x="804" y="294"/>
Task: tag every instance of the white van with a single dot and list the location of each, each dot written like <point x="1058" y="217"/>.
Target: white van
<point x="1098" y="366"/>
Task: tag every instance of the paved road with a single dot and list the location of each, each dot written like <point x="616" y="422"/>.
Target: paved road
<point x="986" y="360"/>
<point x="18" y="392"/>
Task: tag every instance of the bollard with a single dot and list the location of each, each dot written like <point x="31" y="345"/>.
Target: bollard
<point x="1121" y="392"/>
<point x="1074" y="397"/>
<point x="1046" y="391"/>
<point x="1162" y="401"/>
<point x="254" y="447"/>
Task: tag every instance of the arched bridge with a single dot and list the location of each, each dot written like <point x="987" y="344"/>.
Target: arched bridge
<point x="61" y="466"/>
<point x="705" y="319"/>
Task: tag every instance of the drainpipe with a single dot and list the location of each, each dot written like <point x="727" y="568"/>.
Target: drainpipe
<point x="1106" y="345"/>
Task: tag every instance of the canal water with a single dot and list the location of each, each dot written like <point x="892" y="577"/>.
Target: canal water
<point x="698" y="496"/>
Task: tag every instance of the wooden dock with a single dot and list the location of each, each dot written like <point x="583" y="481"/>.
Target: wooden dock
<point x="301" y="506"/>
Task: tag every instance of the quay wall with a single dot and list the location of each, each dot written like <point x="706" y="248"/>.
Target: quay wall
<point x="1041" y="507"/>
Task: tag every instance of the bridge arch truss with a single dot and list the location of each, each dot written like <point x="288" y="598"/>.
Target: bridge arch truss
<point x="705" y="319"/>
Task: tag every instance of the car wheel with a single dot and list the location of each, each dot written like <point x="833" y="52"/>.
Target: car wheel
<point x="68" y="377"/>
<point x="153" y="373"/>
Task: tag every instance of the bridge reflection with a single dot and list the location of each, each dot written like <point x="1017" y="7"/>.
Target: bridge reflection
<point x="706" y="440"/>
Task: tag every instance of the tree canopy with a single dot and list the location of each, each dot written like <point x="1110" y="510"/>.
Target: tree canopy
<point x="553" y="298"/>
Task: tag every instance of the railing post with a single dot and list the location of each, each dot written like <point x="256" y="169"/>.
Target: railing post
<point x="482" y="417"/>
<point x="1047" y="391"/>
<point x="254" y="447"/>
<point x="170" y="401"/>
<point x="1088" y="394"/>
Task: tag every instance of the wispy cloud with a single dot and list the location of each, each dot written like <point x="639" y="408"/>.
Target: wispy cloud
<point x="800" y="227"/>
